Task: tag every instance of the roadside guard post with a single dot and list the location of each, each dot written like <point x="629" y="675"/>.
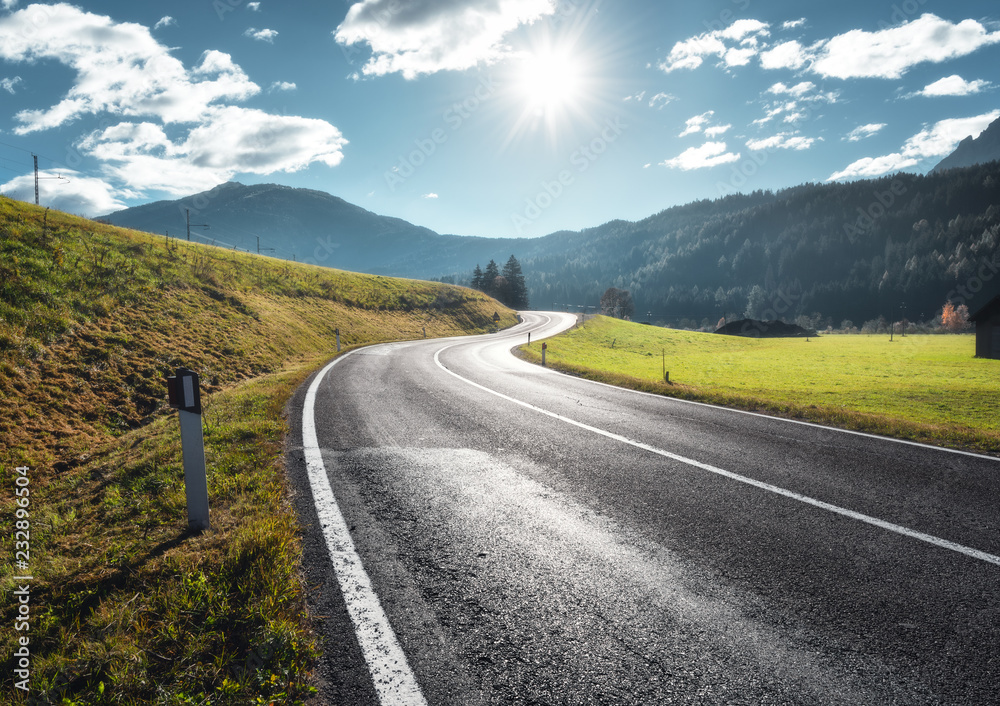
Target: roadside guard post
<point x="545" y="347"/>
<point x="184" y="395"/>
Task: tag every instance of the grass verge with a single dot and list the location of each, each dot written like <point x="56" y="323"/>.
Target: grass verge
<point x="126" y="606"/>
<point x="925" y="388"/>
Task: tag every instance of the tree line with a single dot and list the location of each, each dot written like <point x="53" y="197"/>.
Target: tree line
<point x="896" y="247"/>
<point x="507" y="286"/>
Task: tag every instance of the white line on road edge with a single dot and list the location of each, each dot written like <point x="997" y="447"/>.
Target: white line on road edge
<point x="391" y="675"/>
<point x="786" y="420"/>
<point x="898" y="529"/>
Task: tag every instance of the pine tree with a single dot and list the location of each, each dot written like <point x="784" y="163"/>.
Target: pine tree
<point x="477" y="278"/>
<point x="517" y="290"/>
<point x="489" y="278"/>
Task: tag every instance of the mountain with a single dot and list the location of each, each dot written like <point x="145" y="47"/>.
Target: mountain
<point x="891" y="247"/>
<point x="896" y="246"/>
<point x="308" y="226"/>
<point x="970" y="151"/>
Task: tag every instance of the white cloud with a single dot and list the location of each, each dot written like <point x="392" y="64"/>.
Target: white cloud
<point x="253" y="6"/>
<point x="782" y="141"/>
<point x="8" y="84"/>
<point x="793" y="24"/>
<point x="170" y="128"/>
<point x="864" y="131"/>
<point x="875" y="166"/>
<point x="953" y="85"/>
<point x="427" y="36"/>
<point x="430" y="196"/>
<point x="283" y="86"/>
<point x="120" y="69"/>
<point x="944" y="137"/>
<point x="660" y="100"/>
<point x="937" y="141"/>
<point x="739" y="57"/>
<point x="74" y="193"/>
<point x="261" y="35"/>
<point x="697" y="123"/>
<point x="166" y="21"/>
<point x="787" y="55"/>
<point x="886" y="53"/>
<point x="806" y="98"/>
<point x="231" y="140"/>
<point x="710" y="154"/>
<point x="798" y="90"/>
<point x="717" y="130"/>
<point x="890" y="53"/>
<point x="735" y="45"/>
<point x="8" y="4"/>
<point x="770" y="115"/>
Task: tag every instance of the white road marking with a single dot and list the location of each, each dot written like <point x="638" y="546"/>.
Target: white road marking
<point x="814" y="425"/>
<point x="394" y="682"/>
<point x="898" y="529"/>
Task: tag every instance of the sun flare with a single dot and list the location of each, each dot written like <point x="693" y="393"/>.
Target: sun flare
<point x="550" y="79"/>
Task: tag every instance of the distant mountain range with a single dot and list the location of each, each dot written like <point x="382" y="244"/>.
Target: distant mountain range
<point x="888" y="247"/>
<point x="971" y="151"/>
<point x="307" y="225"/>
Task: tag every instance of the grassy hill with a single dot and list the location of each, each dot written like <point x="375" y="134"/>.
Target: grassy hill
<point x="927" y="388"/>
<point x="125" y="606"/>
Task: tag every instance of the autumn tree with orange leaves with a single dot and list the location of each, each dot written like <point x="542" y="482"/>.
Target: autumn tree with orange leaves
<point x="955" y="318"/>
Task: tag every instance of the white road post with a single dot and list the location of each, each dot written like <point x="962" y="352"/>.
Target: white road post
<point x="337" y="331"/>
<point x="185" y="396"/>
<point x="544" y="348"/>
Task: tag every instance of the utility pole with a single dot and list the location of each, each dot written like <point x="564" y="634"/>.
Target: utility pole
<point x="187" y="212"/>
<point x="258" y="246"/>
<point x="57" y="177"/>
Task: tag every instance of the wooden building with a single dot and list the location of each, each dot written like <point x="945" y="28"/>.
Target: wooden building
<point x="987" y="322"/>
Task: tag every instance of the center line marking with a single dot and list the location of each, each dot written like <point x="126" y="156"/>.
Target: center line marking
<point x="868" y="519"/>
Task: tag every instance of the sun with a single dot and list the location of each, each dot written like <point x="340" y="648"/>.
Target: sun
<point x="550" y="80"/>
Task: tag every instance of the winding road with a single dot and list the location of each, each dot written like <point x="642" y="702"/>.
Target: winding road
<point x="480" y="530"/>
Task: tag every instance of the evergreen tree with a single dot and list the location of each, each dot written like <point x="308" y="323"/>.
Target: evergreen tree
<point x="477" y="278"/>
<point x="489" y="278"/>
<point x="517" y="290"/>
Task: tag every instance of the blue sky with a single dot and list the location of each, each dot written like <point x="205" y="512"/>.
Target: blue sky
<point x="485" y="117"/>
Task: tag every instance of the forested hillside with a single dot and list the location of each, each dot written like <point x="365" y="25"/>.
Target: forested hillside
<point x="853" y="251"/>
<point x="846" y="251"/>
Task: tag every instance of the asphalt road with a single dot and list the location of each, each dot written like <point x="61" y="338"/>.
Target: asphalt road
<point x="531" y="538"/>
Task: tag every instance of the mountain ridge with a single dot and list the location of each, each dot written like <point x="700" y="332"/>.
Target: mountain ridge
<point x="857" y="250"/>
<point x="974" y="150"/>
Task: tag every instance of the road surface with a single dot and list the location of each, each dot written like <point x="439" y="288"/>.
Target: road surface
<point x="480" y="530"/>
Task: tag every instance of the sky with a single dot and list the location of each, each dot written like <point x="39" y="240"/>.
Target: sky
<point x="499" y="118"/>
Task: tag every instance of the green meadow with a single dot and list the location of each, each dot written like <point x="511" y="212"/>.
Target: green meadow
<point x="928" y="388"/>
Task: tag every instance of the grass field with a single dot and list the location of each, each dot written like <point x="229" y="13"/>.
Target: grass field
<point x="928" y="388"/>
<point x="126" y="606"/>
